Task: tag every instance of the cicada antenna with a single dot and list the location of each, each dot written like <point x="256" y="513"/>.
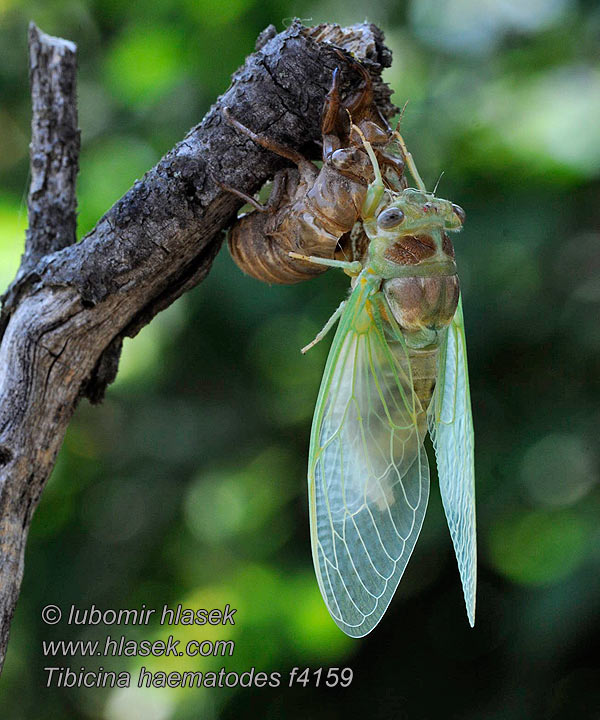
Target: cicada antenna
<point x="438" y="182"/>
<point x="401" y="116"/>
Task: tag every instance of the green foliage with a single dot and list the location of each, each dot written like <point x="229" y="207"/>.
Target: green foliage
<point x="188" y="484"/>
<point x="154" y="60"/>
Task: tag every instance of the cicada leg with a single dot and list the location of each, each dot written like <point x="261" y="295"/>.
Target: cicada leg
<point x="275" y="197"/>
<point x="360" y="101"/>
<point x="326" y="328"/>
<point x="307" y="169"/>
<point x="352" y="268"/>
<point x="259" y="207"/>
<point x="363" y="98"/>
<point x="332" y="120"/>
<point x="376" y="188"/>
<point x="331" y="109"/>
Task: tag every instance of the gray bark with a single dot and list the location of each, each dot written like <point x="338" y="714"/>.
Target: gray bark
<point x="54" y="146"/>
<point x="65" y="315"/>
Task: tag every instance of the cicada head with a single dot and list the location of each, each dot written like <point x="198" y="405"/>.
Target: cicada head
<point x="412" y="211"/>
<point x="351" y="161"/>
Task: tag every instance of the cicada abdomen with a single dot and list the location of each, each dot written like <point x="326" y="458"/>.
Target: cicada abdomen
<point x="423" y="304"/>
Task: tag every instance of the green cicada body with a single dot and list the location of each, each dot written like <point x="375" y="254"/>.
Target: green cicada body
<point x="397" y="368"/>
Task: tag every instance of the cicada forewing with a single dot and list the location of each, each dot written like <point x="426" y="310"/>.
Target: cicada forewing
<point x="451" y="430"/>
<point x="368" y="471"/>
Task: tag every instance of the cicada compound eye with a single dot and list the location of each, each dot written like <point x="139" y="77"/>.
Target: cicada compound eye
<point x="346" y="158"/>
<point x="459" y="212"/>
<point x="390" y="218"/>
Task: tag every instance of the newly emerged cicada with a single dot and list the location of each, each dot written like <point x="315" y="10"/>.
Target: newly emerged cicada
<point x="397" y="367"/>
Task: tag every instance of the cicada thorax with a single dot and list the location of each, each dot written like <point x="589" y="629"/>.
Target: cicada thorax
<point x="423" y="304"/>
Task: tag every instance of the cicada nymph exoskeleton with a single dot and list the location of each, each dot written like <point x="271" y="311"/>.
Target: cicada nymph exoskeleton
<point x="312" y="210"/>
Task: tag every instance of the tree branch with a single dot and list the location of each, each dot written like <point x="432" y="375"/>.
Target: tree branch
<point x="54" y="148"/>
<point x="64" y="317"/>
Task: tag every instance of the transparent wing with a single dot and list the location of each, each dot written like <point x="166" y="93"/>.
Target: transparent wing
<point x="368" y="471"/>
<point x="451" y="430"/>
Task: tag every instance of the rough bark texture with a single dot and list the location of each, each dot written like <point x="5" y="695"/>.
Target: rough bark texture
<point x="64" y="317"/>
<point x="54" y="146"/>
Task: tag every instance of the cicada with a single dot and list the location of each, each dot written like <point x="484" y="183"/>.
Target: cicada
<point x="397" y="368"/>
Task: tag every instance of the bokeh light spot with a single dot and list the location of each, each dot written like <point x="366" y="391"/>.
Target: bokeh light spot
<point x="538" y="547"/>
<point x="13" y="222"/>
<point x="152" y="56"/>
<point x="558" y="469"/>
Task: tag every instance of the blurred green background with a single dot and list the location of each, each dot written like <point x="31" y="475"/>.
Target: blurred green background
<point x="188" y="484"/>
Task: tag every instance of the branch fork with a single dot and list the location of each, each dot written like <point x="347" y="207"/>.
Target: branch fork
<point x="64" y="317"/>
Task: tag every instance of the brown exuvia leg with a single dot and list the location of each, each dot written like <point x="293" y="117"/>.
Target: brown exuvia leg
<point x="335" y="125"/>
<point x="331" y="107"/>
<point x="267" y="142"/>
<point x="276" y="196"/>
<point x="361" y="101"/>
<point x="331" y="127"/>
<point x="259" y="207"/>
